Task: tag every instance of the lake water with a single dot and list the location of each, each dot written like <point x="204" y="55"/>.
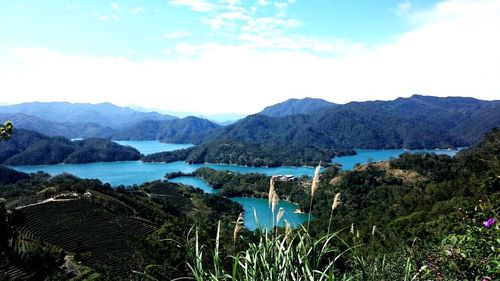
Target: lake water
<point x="261" y="206"/>
<point x="154" y="146"/>
<point x="263" y="212"/>
<point x="374" y="155"/>
<point x="196" y="182"/>
<point x="137" y="172"/>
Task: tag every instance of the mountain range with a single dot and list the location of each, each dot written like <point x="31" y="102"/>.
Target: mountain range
<point x="104" y="114"/>
<point x="414" y="122"/>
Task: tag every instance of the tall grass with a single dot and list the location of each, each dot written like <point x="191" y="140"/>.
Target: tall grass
<point x="293" y="255"/>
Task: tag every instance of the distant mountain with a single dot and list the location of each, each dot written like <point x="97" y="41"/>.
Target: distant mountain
<point x="185" y="130"/>
<point x="32" y="148"/>
<point x="307" y="106"/>
<point x="50" y="128"/>
<point x="415" y="122"/>
<point x="104" y="114"/>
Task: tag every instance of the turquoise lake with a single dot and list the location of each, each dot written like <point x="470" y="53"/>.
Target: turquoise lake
<point x="137" y="172"/>
<point x="149" y="147"/>
<point x="373" y="155"/>
<point x="261" y="206"/>
<point x="196" y="182"/>
<point x="263" y="212"/>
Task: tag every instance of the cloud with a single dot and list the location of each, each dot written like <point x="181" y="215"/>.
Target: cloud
<point x="262" y="2"/>
<point x="115" y="6"/>
<point x="108" y="18"/>
<point x="452" y="51"/>
<point x="136" y="10"/>
<point x="195" y="5"/>
<point x="403" y="8"/>
<point x="177" y="34"/>
<point x="237" y="20"/>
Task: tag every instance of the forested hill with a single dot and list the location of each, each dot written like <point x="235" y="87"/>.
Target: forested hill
<point x="307" y="106"/>
<point x="250" y="154"/>
<point x="32" y="148"/>
<point x="415" y="122"/>
<point x="185" y="130"/>
<point x="104" y="114"/>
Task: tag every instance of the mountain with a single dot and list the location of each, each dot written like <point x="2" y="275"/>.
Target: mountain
<point x="415" y="122"/>
<point x="104" y="114"/>
<point x="50" y="128"/>
<point x="32" y="148"/>
<point x="307" y="106"/>
<point x="462" y="118"/>
<point x="185" y="130"/>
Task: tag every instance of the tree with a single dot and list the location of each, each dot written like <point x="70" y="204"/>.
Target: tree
<point x="6" y="131"/>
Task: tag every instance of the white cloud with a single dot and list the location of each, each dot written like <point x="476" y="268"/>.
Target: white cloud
<point x="403" y="8"/>
<point x="137" y="10"/>
<point x="195" y="5"/>
<point x="108" y="18"/>
<point x="262" y="2"/>
<point x="177" y="34"/>
<point x="115" y="6"/>
<point x="186" y="50"/>
<point x="453" y="50"/>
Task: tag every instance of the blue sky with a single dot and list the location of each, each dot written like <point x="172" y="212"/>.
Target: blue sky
<point x="240" y="56"/>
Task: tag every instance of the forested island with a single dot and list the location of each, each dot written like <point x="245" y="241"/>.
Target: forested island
<point x="250" y="154"/>
<point x="32" y="148"/>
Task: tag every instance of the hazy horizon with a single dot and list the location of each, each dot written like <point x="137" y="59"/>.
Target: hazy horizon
<point x="216" y="116"/>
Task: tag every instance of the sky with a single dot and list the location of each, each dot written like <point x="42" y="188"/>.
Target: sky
<point x="213" y="56"/>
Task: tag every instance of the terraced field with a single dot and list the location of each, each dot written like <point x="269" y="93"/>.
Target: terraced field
<point x="81" y="227"/>
<point x="8" y="272"/>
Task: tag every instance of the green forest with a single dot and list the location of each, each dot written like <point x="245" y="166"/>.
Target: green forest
<point x="250" y="154"/>
<point x="33" y="148"/>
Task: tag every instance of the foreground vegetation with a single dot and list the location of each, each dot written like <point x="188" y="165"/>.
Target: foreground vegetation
<point x="436" y="210"/>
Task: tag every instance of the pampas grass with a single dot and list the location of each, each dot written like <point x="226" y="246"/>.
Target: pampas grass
<point x="272" y="190"/>
<point x="279" y="216"/>
<point x="237" y="227"/>
<point x="314" y="187"/>
<point x="335" y="204"/>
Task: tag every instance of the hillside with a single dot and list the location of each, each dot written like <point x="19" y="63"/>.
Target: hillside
<point x="307" y="106"/>
<point x="185" y="130"/>
<point x="104" y="114"/>
<point x="32" y="148"/>
<point x="462" y="118"/>
<point x="86" y="229"/>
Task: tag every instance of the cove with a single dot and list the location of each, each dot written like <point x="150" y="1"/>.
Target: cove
<point x="262" y="217"/>
<point x="152" y="146"/>
<point x="374" y="155"/>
